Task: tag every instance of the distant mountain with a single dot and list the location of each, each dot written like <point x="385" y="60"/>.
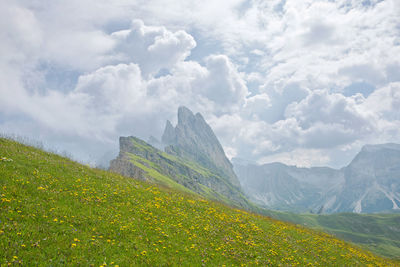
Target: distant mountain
<point x="370" y="183"/>
<point x="193" y="160"/>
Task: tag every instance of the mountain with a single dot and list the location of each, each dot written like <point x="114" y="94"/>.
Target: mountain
<point x="193" y="139"/>
<point x="287" y="188"/>
<point x="370" y="183"/>
<point x="56" y="212"/>
<point x="193" y="161"/>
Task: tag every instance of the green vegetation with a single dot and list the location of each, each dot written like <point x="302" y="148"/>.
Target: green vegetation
<point x="151" y="169"/>
<point x="182" y="174"/>
<point x="379" y="233"/>
<point x="54" y="211"/>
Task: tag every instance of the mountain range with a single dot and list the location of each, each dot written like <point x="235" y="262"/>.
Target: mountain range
<point x="369" y="184"/>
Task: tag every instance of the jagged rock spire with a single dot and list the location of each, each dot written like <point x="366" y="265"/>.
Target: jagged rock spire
<point x="193" y="138"/>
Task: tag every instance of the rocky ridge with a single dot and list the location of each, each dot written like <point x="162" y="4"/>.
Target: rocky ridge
<point x="370" y="183"/>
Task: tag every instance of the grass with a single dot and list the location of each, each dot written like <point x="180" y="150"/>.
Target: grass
<point x="183" y="174"/>
<point x="151" y="169"/>
<point x="54" y="211"/>
<point x="379" y="233"/>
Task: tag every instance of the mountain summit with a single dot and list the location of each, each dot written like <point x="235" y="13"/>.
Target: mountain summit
<point x="193" y="160"/>
<point x="194" y="139"/>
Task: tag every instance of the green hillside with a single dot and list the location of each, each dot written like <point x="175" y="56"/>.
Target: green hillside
<point x="379" y="233"/>
<point x="54" y="211"/>
<point x="141" y="160"/>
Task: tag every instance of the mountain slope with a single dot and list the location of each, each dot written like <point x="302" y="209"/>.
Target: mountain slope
<point x="194" y="159"/>
<point x="57" y="212"/>
<point x="379" y="233"/>
<point x="142" y="161"/>
<point x="370" y="183"/>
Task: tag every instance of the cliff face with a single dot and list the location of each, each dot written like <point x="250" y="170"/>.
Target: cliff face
<point x="193" y="160"/>
<point x="194" y="139"/>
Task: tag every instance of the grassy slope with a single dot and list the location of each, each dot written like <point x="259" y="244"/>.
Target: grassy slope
<point x="379" y="233"/>
<point x="54" y="211"/>
<point x="171" y="162"/>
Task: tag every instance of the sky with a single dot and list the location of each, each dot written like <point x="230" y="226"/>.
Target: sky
<point x="306" y="83"/>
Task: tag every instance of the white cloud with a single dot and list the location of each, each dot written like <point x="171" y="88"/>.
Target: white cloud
<point x="85" y="72"/>
<point x="299" y="157"/>
<point x="322" y="107"/>
<point x="256" y="106"/>
<point x="224" y="86"/>
<point x="153" y="48"/>
<point x="112" y="89"/>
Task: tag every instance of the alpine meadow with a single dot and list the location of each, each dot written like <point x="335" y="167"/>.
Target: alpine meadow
<point x="55" y="212"/>
<point x="200" y="133"/>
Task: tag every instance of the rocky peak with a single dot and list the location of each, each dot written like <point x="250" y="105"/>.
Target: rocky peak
<point x="185" y="116"/>
<point x="193" y="138"/>
<point x="377" y="156"/>
<point x="169" y="136"/>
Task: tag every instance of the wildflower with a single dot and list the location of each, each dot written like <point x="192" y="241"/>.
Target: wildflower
<point x="73" y="245"/>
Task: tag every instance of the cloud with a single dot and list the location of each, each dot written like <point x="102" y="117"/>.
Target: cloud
<point x="256" y="106"/>
<point x="318" y="49"/>
<point x="289" y="80"/>
<point x="153" y="48"/>
<point x="322" y="107"/>
<point x="385" y="102"/>
<point x="299" y="157"/>
<point x="113" y="89"/>
<point x="224" y="85"/>
<point x="119" y="99"/>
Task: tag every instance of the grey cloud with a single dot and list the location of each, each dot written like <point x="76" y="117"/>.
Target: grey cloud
<point x="320" y="106"/>
<point x="224" y="84"/>
<point x="363" y="73"/>
<point x="279" y="100"/>
<point x="319" y="33"/>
